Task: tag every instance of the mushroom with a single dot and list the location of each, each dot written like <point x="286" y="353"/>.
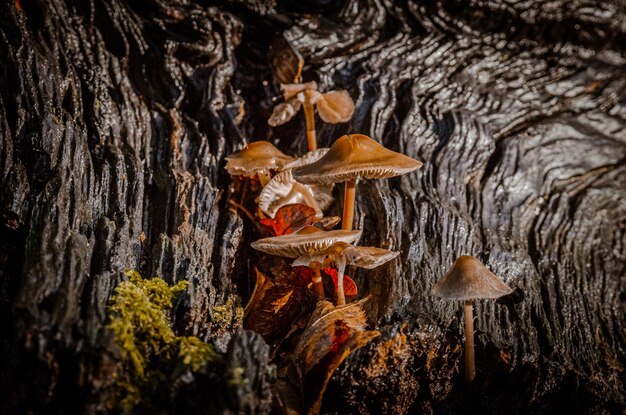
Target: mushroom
<point x="284" y="190"/>
<point x="469" y="280"/>
<point x="303" y="241"/>
<point x="258" y="157"/>
<point x="342" y="254"/>
<point x="323" y="194"/>
<point x="351" y="158"/>
<point x="333" y="107"/>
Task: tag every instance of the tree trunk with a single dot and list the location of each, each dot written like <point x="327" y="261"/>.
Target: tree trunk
<point x="115" y="118"/>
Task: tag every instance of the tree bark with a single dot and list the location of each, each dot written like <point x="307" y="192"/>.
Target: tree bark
<point x="115" y="118"/>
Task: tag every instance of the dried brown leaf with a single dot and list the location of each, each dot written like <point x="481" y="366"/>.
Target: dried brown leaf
<point x="276" y="303"/>
<point x="329" y="338"/>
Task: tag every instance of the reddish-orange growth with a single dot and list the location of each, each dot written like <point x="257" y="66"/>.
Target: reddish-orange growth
<point x="349" y="286"/>
<point x="305" y="275"/>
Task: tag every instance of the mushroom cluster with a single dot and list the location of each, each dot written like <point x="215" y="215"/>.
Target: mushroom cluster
<point x="309" y="180"/>
<point x="288" y="181"/>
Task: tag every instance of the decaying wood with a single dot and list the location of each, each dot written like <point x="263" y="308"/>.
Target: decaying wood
<point x="115" y="119"/>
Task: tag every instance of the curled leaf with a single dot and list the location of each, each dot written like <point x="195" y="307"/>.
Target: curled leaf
<point x="275" y="305"/>
<point x="335" y="107"/>
<point x="329" y="338"/>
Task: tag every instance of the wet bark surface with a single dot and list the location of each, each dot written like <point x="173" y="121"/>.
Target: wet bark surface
<point x="115" y="119"/>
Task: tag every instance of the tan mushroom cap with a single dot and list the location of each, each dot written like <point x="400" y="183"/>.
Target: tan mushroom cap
<point x="335" y="107"/>
<point x="361" y="256"/>
<point x="355" y="156"/>
<point x="469" y="279"/>
<point x="284" y="112"/>
<point x="291" y="90"/>
<point x="305" y="240"/>
<point x="256" y="156"/>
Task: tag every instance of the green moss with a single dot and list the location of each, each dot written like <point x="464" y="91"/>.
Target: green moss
<point x="140" y="322"/>
<point x="237" y="377"/>
<point x="195" y="353"/>
<point x="229" y="312"/>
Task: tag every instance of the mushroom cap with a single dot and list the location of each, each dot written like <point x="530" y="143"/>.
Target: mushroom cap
<point x="284" y="112"/>
<point x="284" y="190"/>
<point x="355" y="156"/>
<point x="469" y="279"/>
<point x="307" y="158"/>
<point x="361" y="256"/>
<point x="291" y="90"/>
<point x="256" y="156"/>
<point x="335" y="107"/>
<point x="305" y="240"/>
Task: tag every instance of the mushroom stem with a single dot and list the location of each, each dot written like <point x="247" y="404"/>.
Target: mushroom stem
<point x="309" y="116"/>
<point x="341" y="267"/>
<point x="470" y="367"/>
<point x="348" y="204"/>
<point x="317" y="283"/>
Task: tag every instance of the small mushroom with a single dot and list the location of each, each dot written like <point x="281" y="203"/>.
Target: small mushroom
<point x="469" y="280"/>
<point x="342" y="254"/>
<point x="284" y="190"/>
<point x="323" y="193"/>
<point x="351" y="158"/>
<point x="333" y="107"/>
<point x="258" y="157"/>
<point x="303" y="241"/>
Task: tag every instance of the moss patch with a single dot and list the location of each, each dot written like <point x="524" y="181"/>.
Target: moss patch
<point x="140" y="322"/>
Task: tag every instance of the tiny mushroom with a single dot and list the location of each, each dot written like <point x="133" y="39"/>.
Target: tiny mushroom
<point x="259" y="158"/>
<point x="351" y="158"/>
<point x="342" y="254"/>
<point x="469" y="280"/>
<point x="333" y="107"/>
<point x="303" y="241"/>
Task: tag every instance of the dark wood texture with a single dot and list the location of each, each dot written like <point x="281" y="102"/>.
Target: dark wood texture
<point x="115" y="119"/>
